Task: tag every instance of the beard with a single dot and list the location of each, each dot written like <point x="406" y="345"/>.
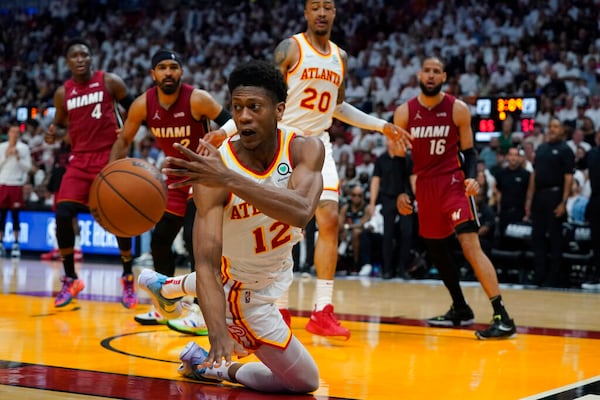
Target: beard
<point x="169" y="87"/>
<point x="430" y="92"/>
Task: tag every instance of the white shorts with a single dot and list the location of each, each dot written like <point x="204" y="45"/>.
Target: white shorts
<point x="331" y="180"/>
<point x="252" y="316"/>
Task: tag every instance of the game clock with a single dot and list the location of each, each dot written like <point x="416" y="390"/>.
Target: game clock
<point x="491" y="112"/>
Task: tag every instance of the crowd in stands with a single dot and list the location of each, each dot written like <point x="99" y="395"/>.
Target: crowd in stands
<point x="548" y="49"/>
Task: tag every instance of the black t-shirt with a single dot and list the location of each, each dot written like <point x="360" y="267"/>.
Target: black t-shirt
<point x="593" y="164"/>
<point x="552" y="162"/>
<point x="393" y="173"/>
<point x="512" y="184"/>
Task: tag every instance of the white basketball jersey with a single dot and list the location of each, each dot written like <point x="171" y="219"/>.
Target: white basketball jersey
<point x="258" y="247"/>
<point x="313" y="85"/>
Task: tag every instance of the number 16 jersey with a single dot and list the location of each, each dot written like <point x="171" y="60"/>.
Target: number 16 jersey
<point x="436" y="138"/>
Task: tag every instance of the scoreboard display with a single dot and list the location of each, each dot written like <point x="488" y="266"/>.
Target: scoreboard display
<point x="491" y="112"/>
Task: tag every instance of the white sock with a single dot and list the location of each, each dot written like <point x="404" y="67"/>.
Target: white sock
<point x="174" y="286"/>
<point x="323" y="293"/>
<point x="283" y="301"/>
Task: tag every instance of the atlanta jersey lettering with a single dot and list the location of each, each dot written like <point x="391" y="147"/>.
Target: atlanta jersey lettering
<point x="313" y="87"/>
<point x="257" y="246"/>
<point x="92" y="113"/>
<point x="436" y="139"/>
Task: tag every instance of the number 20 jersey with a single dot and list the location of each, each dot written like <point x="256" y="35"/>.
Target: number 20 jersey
<point x="257" y="246"/>
<point x="313" y="85"/>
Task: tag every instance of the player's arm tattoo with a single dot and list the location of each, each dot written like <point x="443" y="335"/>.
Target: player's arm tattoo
<point x="282" y="50"/>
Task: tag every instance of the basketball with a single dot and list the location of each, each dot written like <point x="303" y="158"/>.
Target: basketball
<point x="128" y="197"/>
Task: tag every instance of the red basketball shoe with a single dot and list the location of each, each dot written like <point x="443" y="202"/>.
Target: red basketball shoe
<point x="324" y="323"/>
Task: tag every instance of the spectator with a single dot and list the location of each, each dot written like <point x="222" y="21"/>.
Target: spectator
<point x="353" y="216"/>
<point x="489" y="152"/>
<point x="486" y="216"/>
<point x="577" y="141"/>
<point x="511" y="190"/>
<point x="593" y="112"/>
<point x="366" y="165"/>
<point x="15" y="163"/>
<point x="545" y="113"/>
<point x="390" y="179"/>
<point x="469" y="81"/>
<point x="549" y="187"/>
<point x="411" y="89"/>
<point x="567" y="114"/>
<point x="592" y="213"/>
<point x="502" y="80"/>
<point x="576" y="204"/>
<point x="339" y="147"/>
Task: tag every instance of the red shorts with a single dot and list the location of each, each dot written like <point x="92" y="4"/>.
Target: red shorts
<point x="11" y="197"/>
<point x="177" y="198"/>
<point x="77" y="180"/>
<point x="442" y="205"/>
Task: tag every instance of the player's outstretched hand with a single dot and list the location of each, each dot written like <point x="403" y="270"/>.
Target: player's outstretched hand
<point x="398" y="135"/>
<point x="215" y="137"/>
<point x="204" y="166"/>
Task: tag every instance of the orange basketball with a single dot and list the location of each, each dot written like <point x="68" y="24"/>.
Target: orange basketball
<point x="128" y="197"/>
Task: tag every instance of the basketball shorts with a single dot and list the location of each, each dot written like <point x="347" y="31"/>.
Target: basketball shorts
<point x="79" y="175"/>
<point x="177" y="198"/>
<point x="442" y="204"/>
<point x="11" y="197"/>
<point x="252" y="316"/>
<point x="331" y="181"/>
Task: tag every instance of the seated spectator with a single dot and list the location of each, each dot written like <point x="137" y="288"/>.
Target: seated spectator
<point x="340" y="146"/>
<point x="366" y="165"/>
<point x="576" y="203"/>
<point x="567" y="114"/>
<point x="577" y="140"/>
<point x="352" y="216"/>
<point x="545" y="113"/>
<point x="489" y="151"/>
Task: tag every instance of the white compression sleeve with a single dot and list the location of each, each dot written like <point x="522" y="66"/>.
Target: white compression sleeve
<point x="229" y="128"/>
<point x="353" y="116"/>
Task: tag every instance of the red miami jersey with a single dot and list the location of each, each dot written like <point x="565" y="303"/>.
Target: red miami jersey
<point x="175" y="124"/>
<point x="439" y="190"/>
<point x="435" y="147"/>
<point x="93" y="115"/>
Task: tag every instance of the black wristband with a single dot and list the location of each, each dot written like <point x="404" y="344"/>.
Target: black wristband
<point x="469" y="163"/>
<point x="223" y="117"/>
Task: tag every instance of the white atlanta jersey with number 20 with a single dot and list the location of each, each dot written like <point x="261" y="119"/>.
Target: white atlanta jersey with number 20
<point x="313" y="85"/>
<point x="258" y="248"/>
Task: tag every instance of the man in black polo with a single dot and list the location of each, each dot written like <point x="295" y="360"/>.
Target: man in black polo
<point x="547" y="194"/>
<point x="511" y="184"/>
<point x="390" y="178"/>
<point x="593" y="211"/>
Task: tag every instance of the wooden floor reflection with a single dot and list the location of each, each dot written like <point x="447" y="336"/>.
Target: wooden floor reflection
<point x="94" y="349"/>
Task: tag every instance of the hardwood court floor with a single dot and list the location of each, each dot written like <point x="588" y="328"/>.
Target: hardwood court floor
<point x="94" y="349"/>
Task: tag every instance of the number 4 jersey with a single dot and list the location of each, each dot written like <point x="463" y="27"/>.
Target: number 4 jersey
<point x="313" y="85"/>
<point x="93" y="115"/>
<point x="436" y="138"/>
<point x="256" y="247"/>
